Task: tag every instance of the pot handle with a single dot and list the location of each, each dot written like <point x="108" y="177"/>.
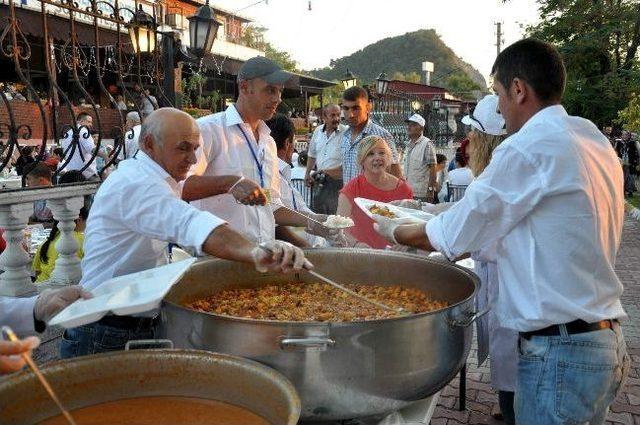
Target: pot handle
<point x="310" y="342"/>
<point x="468" y="317"/>
<point x="148" y="344"/>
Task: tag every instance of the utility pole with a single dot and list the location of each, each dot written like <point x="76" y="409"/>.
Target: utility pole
<point x="499" y="39"/>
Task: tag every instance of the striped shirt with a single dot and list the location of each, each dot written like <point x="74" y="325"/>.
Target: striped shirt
<point x="350" y="166"/>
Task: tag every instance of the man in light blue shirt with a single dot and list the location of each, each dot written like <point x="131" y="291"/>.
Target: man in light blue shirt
<point x="356" y="108"/>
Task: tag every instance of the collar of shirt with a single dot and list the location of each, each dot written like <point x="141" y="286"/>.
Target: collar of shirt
<point x="232" y="117"/>
<point x="542" y="116"/>
<point x="337" y="130"/>
<point x="365" y="131"/>
<point x="154" y="168"/>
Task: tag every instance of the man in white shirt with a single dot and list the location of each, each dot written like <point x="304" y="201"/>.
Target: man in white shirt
<point x="325" y="153"/>
<point x="420" y="160"/>
<point x="138" y="210"/>
<point x="283" y="132"/>
<point x="26" y="316"/>
<point x="132" y="132"/>
<point x="238" y="142"/>
<point x="552" y="201"/>
<point x="80" y="152"/>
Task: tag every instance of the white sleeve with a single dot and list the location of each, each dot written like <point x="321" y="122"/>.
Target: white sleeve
<point x="311" y="150"/>
<point x="508" y="189"/>
<point x="159" y="214"/>
<point x="17" y="313"/>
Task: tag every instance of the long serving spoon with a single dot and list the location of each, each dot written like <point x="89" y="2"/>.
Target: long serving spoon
<point x="336" y="285"/>
<point x="8" y="333"/>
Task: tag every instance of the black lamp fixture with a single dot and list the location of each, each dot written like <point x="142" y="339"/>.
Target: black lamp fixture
<point x="203" y="29"/>
<point x="382" y="84"/>
<point x="142" y="31"/>
<point x="349" y="80"/>
<point x="436" y="102"/>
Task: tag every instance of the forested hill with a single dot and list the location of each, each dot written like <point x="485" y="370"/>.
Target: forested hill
<point x="403" y="54"/>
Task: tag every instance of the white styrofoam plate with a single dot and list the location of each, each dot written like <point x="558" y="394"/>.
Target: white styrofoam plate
<point x="364" y="204"/>
<point x="124" y="295"/>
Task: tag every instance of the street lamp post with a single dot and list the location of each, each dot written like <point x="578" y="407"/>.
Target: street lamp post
<point x="203" y="29"/>
<point x="348" y="80"/>
<point x="142" y="31"/>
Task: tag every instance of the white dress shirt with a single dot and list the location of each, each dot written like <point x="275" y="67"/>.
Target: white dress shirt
<point x="130" y="143"/>
<point x="135" y="214"/>
<point x="225" y="151"/>
<point x="327" y="150"/>
<point x="552" y="200"/>
<point x="77" y="162"/>
<point x="17" y="313"/>
<point x="461" y="176"/>
<point x="289" y="195"/>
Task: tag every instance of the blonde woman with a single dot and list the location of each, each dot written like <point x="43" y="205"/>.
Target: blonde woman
<point x="374" y="182"/>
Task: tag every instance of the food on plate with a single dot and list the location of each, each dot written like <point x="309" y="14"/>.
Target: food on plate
<point x="338" y="222"/>
<point x="382" y="210"/>
<point x="315" y="302"/>
<point x="161" y="410"/>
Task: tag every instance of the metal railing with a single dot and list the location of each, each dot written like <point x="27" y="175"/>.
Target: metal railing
<point x="79" y="58"/>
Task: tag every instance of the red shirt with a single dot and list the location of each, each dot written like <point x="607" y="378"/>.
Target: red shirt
<point x="359" y="187"/>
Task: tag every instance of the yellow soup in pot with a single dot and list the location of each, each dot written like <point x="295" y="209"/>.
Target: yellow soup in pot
<point x="161" y="411"/>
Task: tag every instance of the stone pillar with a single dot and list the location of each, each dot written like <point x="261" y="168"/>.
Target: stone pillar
<point x="16" y="279"/>
<point x="67" y="269"/>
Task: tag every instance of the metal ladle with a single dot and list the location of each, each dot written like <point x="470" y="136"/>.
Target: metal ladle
<point x="7" y="333"/>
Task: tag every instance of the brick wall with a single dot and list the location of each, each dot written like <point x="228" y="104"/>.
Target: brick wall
<point x="29" y="114"/>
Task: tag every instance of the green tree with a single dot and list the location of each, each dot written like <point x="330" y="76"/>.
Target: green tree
<point x="599" y="42"/>
<point x="629" y="117"/>
<point x="254" y="37"/>
<point x="461" y="85"/>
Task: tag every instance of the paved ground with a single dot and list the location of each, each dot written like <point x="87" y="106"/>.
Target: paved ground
<point x="482" y="401"/>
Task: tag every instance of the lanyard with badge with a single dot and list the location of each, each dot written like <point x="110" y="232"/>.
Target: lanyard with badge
<point x="266" y="190"/>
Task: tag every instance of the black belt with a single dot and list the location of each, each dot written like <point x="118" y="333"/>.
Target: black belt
<point x="575" y="327"/>
<point x="129" y="322"/>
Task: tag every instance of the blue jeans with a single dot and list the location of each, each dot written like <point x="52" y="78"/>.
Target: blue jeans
<point x="570" y="379"/>
<point x="97" y="338"/>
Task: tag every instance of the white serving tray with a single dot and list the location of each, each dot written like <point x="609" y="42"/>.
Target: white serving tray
<point x="124" y="295"/>
<point x="364" y="204"/>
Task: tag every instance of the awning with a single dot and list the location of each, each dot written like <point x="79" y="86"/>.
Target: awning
<point x="59" y="28"/>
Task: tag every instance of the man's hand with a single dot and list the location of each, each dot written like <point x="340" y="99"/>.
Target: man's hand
<point x="279" y="256"/>
<point x="387" y="226"/>
<point x="248" y="192"/>
<point x="52" y="301"/>
<point x="308" y="179"/>
<point x="334" y="236"/>
<point x="10" y="353"/>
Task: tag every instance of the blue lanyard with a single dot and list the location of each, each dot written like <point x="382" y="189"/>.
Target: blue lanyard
<point x="293" y="194"/>
<point x="255" y="156"/>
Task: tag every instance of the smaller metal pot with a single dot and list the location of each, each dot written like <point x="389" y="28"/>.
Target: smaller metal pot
<point x="91" y="380"/>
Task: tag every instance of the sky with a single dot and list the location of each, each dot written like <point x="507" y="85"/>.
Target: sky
<point x="337" y="28"/>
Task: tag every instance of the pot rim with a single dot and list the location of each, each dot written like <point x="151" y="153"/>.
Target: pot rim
<point x="474" y="278"/>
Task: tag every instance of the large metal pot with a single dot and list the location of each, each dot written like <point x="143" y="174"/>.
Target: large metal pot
<point x="341" y="370"/>
<point x="91" y="380"/>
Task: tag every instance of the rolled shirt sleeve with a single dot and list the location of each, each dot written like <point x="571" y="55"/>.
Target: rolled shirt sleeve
<point x="17" y="313"/>
<point x="493" y="204"/>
